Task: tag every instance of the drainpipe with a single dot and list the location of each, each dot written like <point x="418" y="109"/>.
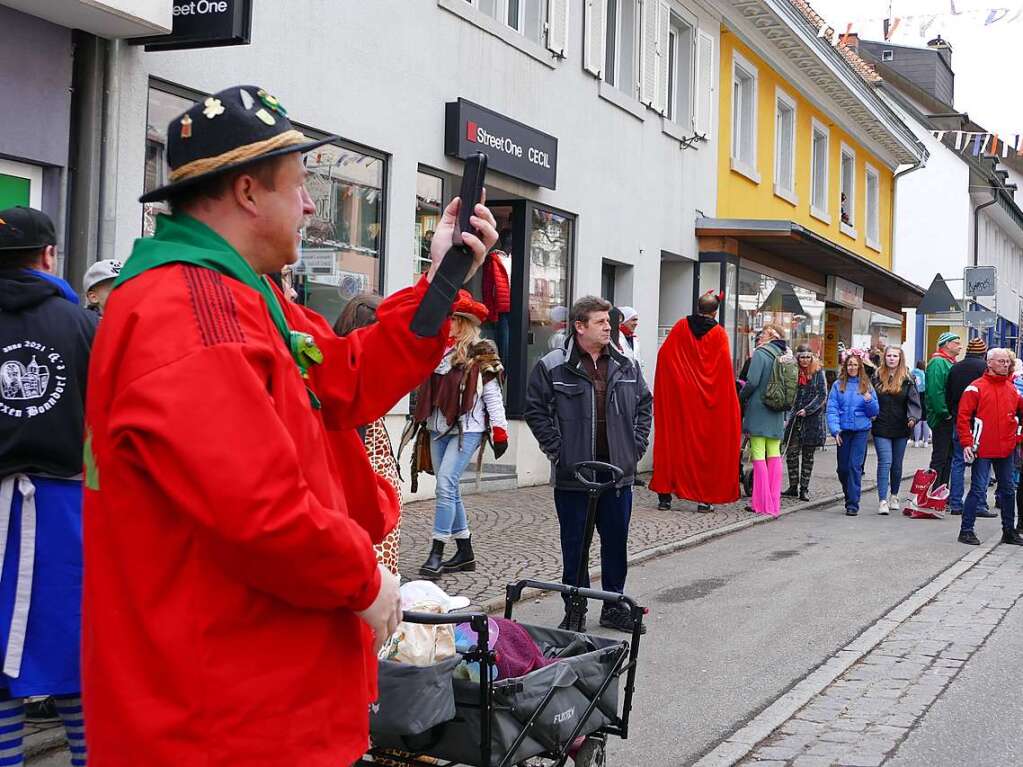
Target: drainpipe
<point x="109" y="156"/>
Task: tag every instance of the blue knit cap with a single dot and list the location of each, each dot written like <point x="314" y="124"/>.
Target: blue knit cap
<point x="944" y="338"/>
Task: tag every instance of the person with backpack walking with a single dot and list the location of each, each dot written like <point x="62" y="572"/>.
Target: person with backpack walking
<point x="805" y="430"/>
<point x="898" y="412"/>
<point x="852" y="406"/>
<point x="769" y="393"/>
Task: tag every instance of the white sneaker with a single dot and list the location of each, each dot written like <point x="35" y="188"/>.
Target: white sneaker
<point x="894" y="505"/>
<point x="882" y="508"/>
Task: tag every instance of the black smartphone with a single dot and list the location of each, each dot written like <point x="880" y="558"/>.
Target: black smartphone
<point x="471" y="193"/>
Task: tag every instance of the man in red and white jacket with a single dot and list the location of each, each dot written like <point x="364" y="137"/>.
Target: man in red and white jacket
<point x="989" y="418"/>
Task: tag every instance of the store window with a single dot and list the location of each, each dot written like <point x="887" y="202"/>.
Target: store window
<point x="342" y="240"/>
<point x="163" y="106"/>
<point x="550" y="252"/>
<point x="429" y="206"/>
<point x="764" y="299"/>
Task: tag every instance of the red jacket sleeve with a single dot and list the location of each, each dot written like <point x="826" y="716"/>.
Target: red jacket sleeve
<point x="363" y="375"/>
<point x="205" y="430"/>
<point x="967" y="409"/>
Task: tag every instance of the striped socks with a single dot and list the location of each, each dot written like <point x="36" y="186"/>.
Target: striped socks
<point x="12" y="728"/>
<point x="70" y="710"/>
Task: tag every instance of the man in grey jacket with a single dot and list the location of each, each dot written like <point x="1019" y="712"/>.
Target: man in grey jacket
<point x="584" y="402"/>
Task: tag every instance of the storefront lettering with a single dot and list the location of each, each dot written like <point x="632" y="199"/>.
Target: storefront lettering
<point x="201" y="8"/>
<point x="511" y="147"/>
<point x="474" y="132"/>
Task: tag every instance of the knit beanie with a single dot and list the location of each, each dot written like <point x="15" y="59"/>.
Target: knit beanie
<point x="944" y="338"/>
<point x="976" y="346"/>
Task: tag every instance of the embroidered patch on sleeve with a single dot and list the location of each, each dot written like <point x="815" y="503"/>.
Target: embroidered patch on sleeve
<point x="213" y="305"/>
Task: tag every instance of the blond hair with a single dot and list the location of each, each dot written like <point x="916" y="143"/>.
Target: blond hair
<point x="891" y="381"/>
<point x="466" y="334"/>
<point x="776" y="330"/>
<point x="843" y="376"/>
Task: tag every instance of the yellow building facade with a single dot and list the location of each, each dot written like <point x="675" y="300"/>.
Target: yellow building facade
<point x="756" y="195"/>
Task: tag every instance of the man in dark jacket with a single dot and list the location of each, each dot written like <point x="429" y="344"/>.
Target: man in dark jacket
<point x="988" y="420"/>
<point x="585" y="402"/>
<point x="962" y="374"/>
<point x="45" y="340"/>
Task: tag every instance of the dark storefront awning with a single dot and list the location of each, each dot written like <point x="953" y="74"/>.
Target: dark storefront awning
<point x="789" y="247"/>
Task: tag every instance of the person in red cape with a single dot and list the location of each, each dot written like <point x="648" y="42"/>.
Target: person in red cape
<point x="696" y="413"/>
<point x="233" y="604"/>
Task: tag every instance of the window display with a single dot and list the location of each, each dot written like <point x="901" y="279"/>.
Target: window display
<point x="549" y="254"/>
<point x="763" y="299"/>
<point x="429" y="206"/>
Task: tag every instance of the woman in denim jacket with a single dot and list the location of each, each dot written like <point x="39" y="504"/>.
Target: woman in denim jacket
<point x="852" y="406"/>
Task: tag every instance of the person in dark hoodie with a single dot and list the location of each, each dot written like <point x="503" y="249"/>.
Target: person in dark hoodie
<point x="696" y="414"/>
<point x="46" y="339"/>
<point x="962" y="374"/>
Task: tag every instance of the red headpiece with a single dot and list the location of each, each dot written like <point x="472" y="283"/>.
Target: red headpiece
<point x="469" y="308"/>
<point x="720" y="295"/>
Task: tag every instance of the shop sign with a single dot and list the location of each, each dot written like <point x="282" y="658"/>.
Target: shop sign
<point x="832" y="330"/>
<point x="203" y="24"/>
<point x="980" y="319"/>
<point x="511" y="147"/>
<point x="979" y="281"/>
<point x="844" y="293"/>
<point x="317" y="263"/>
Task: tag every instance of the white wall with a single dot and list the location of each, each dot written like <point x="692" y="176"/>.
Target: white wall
<point x="1001" y="246"/>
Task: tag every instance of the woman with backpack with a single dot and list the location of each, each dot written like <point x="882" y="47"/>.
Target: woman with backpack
<point x="921" y="432"/>
<point x="764" y="424"/>
<point x="805" y="430"/>
<point x="852" y="406"/>
<point x="898" y="412"/>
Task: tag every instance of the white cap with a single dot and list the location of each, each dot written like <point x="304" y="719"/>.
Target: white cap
<point x="417" y="592"/>
<point x="628" y="313"/>
<point x="101" y="271"/>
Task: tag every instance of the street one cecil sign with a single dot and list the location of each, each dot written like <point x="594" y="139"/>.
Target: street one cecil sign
<point x="204" y="24"/>
<point x="511" y="147"/>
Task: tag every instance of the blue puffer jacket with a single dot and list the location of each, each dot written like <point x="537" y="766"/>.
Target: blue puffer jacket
<point x="848" y="411"/>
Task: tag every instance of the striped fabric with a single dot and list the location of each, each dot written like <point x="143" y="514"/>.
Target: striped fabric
<point x="12" y="731"/>
<point x="69" y="708"/>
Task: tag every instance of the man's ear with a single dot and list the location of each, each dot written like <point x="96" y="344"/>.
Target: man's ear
<point x="246" y="190"/>
<point x="48" y="261"/>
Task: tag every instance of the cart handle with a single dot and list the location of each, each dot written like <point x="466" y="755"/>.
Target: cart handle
<point x="513" y="593"/>
<point x="592" y="467"/>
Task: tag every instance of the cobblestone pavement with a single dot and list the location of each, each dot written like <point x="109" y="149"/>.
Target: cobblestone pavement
<point x="861" y="719"/>
<point x="515" y="533"/>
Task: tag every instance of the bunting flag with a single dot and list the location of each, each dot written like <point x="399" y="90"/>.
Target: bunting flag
<point x="981" y="142"/>
<point x="921" y="26"/>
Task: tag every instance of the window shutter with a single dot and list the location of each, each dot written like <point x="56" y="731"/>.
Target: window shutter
<point x="663" y="25"/>
<point x="595" y="36"/>
<point x="704" y="98"/>
<point x="649" y="65"/>
<point x="557" y="26"/>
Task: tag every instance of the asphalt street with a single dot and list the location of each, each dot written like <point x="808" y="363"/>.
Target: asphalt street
<point x="734" y="623"/>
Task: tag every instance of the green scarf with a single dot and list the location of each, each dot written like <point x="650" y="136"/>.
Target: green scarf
<point x="181" y="239"/>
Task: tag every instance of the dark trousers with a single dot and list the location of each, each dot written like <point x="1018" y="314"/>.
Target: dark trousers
<point x="851" y="455"/>
<point x="800" y="476"/>
<point x="614" y="509"/>
<point x="941" y="451"/>
<point x="981" y="473"/>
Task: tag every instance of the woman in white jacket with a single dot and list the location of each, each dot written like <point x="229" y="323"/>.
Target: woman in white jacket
<point x="629" y="339"/>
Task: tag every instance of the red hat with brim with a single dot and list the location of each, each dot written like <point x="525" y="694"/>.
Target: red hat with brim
<point x="469" y="308"/>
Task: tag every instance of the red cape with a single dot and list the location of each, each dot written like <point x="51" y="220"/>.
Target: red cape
<point x="696" y="418"/>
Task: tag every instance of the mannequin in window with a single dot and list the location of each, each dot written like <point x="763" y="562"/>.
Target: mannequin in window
<point x="497" y="292"/>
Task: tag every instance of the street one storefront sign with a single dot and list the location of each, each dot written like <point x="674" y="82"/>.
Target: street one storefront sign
<point x="204" y="24"/>
<point x="844" y="293"/>
<point x="511" y="147"/>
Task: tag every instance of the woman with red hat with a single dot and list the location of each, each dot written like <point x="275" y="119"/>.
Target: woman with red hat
<point x="461" y="405"/>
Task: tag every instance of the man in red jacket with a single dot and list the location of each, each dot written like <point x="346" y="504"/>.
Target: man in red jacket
<point x="988" y="425"/>
<point x="232" y="600"/>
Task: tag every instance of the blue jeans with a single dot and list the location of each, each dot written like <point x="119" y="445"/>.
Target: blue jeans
<point x="890" y="453"/>
<point x="851" y="455"/>
<point x="449" y="461"/>
<point x="921" y="432"/>
<point x="614" y="510"/>
<point x="1005" y="492"/>
<point x="957" y="479"/>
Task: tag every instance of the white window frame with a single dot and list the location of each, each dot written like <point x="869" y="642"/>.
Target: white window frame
<point x="849" y="229"/>
<point x="821" y="214"/>
<point x="671" y="105"/>
<point x="746" y="166"/>
<point x="31" y="173"/>
<point x="786" y="193"/>
<point x="637" y="48"/>
<point x="873" y="238"/>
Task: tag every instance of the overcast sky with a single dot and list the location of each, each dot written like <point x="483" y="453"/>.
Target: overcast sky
<point x="985" y="59"/>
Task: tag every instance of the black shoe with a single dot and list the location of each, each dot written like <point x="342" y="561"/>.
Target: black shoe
<point x="579" y="624"/>
<point x="969" y="537"/>
<point x="804" y="495"/>
<point x="704" y="508"/>
<point x="955" y="512"/>
<point x="464" y="559"/>
<point x="987" y="514"/>
<point x="619" y="619"/>
<point x="1012" y="537"/>
<point x="638" y="482"/>
<point x="43" y="710"/>
<point x="851" y="512"/>
<point x="433" y="566"/>
<point x="664" y="501"/>
<point x="792" y="492"/>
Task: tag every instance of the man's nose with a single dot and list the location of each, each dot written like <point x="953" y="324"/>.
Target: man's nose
<point x="308" y="206"/>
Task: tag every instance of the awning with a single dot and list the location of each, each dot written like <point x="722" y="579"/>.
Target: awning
<point x="106" y="18"/>
<point x="787" y="246"/>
